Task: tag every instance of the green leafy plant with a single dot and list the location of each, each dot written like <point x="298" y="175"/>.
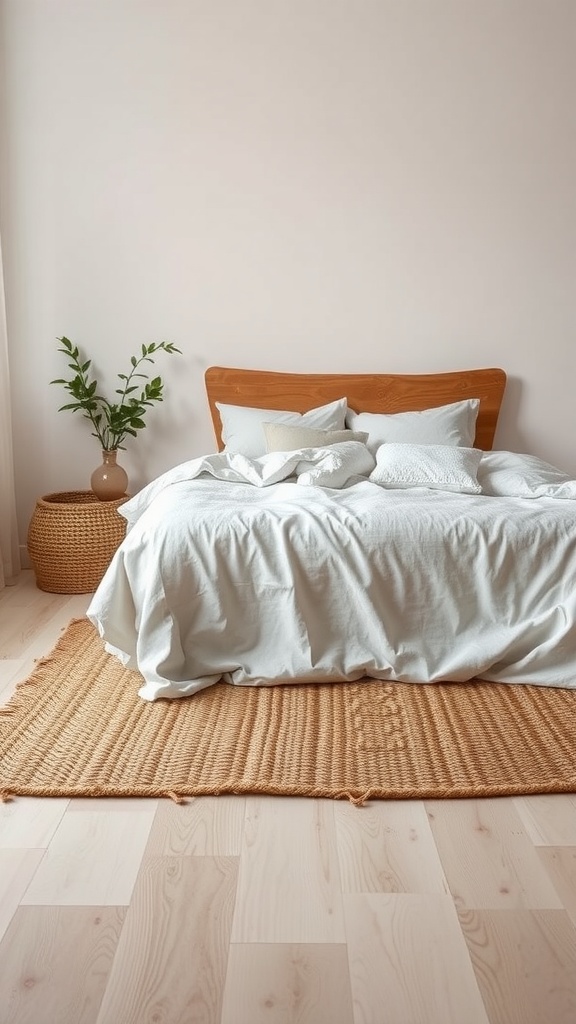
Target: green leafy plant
<point x="113" y="421"/>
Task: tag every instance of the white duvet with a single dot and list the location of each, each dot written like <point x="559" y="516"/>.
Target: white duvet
<point x="295" y="566"/>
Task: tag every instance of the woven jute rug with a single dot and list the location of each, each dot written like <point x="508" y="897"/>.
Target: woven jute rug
<point x="77" y="727"/>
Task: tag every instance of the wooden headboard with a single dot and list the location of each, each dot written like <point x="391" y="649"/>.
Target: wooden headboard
<point x="365" y="392"/>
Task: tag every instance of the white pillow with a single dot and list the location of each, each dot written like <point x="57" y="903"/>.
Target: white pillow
<point x="453" y="424"/>
<point x="242" y="425"/>
<point x="282" y="437"/>
<point x="514" y="475"/>
<point x="437" y="466"/>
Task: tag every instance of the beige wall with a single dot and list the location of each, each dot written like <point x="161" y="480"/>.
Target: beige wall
<point x="325" y="184"/>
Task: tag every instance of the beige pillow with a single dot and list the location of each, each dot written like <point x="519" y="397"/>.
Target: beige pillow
<point x="282" y="437"/>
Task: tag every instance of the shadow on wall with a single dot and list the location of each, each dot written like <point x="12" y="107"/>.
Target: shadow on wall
<point x="509" y="418"/>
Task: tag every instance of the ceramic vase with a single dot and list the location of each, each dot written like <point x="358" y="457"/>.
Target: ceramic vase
<point x="109" y="481"/>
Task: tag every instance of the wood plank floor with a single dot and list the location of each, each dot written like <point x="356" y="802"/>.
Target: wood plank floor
<point x="254" y="910"/>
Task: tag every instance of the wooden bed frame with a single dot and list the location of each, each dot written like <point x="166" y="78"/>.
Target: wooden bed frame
<point x="365" y="392"/>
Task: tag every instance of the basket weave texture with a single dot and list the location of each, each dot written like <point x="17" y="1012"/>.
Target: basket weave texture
<point x="71" y="540"/>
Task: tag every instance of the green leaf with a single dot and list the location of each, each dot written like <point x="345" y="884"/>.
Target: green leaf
<point x="112" y="421"/>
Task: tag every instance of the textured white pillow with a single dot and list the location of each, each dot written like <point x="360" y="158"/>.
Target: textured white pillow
<point x="514" y="475"/>
<point x="282" y="437"/>
<point x="242" y="425"/>
<point x="437" y="466"/>
<point x="453" y="424"/>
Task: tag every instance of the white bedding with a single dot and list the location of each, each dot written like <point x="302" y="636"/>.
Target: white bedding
<point x="295" y="566"/>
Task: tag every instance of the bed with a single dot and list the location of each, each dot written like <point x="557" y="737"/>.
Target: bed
<point x="349" y="526"/>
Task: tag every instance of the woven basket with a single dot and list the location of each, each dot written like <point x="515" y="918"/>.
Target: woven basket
<point x="71" y="539"/>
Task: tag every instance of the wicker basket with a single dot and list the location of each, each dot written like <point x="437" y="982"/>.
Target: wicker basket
<point x="71" y="539"/>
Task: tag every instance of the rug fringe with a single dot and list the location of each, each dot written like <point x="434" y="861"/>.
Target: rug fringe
<point x="176" y="797"/>
<point x="5" y="796"/>
<point x="358" y="801"/>
<point x="39" y="662"/>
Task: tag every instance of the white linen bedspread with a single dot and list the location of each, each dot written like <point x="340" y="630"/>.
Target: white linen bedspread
<point x="270" y="582"/>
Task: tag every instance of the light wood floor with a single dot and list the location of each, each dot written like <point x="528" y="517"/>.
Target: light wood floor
<point x="276" y="910"/>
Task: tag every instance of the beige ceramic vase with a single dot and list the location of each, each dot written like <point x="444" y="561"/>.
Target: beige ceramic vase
<point x="109" y="481"/>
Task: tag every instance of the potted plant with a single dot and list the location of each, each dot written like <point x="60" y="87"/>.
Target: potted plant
<point x="112" y="422"/>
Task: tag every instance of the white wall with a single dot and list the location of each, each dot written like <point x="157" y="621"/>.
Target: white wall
<point x="346" y="185"/>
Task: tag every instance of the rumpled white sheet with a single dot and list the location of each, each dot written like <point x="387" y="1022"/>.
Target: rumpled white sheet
<point x="269" y="581"/>
<point x="333" y="466"/>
